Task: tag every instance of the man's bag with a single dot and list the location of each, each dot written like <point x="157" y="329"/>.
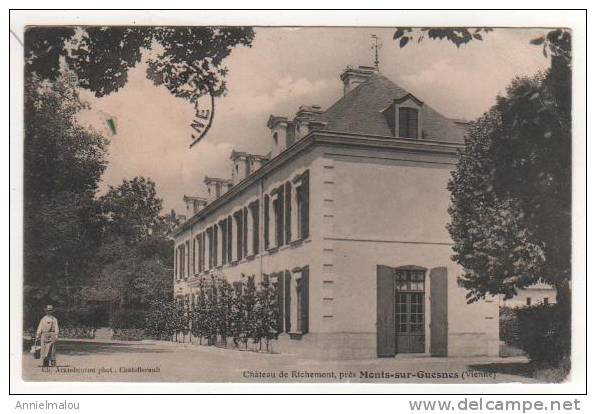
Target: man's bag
<point x="36" y="350"/>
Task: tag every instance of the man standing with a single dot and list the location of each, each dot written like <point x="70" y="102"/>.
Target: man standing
<point x="47" y="332"/>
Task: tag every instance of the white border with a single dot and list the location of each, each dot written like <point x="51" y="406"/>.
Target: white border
<point x="574" y="20"/>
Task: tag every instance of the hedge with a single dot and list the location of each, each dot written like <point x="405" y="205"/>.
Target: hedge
<point x="541" y="331"/>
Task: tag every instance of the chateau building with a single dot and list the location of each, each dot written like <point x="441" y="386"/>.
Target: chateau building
<point x="346" y="215"/>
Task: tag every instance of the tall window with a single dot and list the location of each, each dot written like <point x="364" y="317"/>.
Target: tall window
<point x="239" y="237"/>
<point x="302" y="205"/>
<point x="210" y="251"/>
<point x="254" y="210"/>
<point x="408" y="123"/>
<point x="186" y="274"/>
<point x="409" y="304"/>
<point x="223" y="227"/>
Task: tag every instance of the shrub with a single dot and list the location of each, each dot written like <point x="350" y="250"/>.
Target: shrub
<point x="543" y="333"/>
<point x="508" y="326"/>
<point x="128" y="319"/>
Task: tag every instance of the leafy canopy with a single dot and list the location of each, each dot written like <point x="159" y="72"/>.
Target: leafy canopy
<point x="187" y="60"/>
<point x="511" y="191"/>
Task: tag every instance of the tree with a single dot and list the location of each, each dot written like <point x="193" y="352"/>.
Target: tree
<point x="511" y="199"/>
<point x="132" y="210"/>
<point x="63" y="163"/>
<point x="135" y="260"/>
<point x="188" y="60"/>
<point x="266" y="313"/>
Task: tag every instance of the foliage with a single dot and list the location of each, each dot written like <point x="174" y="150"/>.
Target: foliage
<point x="540" y="331"/>
<point x="128" y="319"/>
<point x="511" y="199"/>
<point x="63" y="163"/>
<point x="508" y="326"/>
<point x="160" y="320"/>
<point x="241" y="311"/>
<point x="266" y="313"/>
<point x="131" y="210"/>
<point x="188" y="61"/>
<point x="456" y="35"/>
<point x="135" y="260"/>
<point x="510" y="194"/>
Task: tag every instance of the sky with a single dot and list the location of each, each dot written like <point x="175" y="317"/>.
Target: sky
<point x="285" y="68"/>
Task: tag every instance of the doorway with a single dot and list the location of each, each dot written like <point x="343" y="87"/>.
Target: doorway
<point x="409" y="310"/>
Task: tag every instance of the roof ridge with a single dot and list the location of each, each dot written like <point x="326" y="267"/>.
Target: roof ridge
<point x="360" y="111"/>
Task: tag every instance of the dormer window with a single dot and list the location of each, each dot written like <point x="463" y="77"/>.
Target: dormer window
<point x="408" y="123"/>
<point x="275" y="137"/>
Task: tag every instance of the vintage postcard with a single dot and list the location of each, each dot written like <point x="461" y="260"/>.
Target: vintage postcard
<point x="297" y="204"/>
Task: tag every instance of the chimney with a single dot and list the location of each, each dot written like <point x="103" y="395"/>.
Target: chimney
<point x="304" y="117"/>
<point x="194" y="204"/>
<point x="216" y="187"/>
<point x="351" y="77"/>
<point x="256" y="161"/>
<point x="240" y="166"/>
<point x="278" y="126"/>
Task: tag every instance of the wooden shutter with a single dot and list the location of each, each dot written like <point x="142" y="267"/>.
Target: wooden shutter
<point x="202" y="251"/>
<point x="280" y="302"/>
<point x="192" y="257"/>
<point x="438" y="311"/>
<point x="279" y="225"/>
<point x="245" y="232"/>
<point x="176" y="266"/>
<point x="223" y="225"/>
<point x="305" y="206"/>
<point x="215" y="244"/>
<point x="210" y="251"/>
<point x="287" y="300"/>
<point x="266" y="221"/>
<point x="187" y="259"/>
<point x="288" y="219"/>
<point x="255" y="227"/>
<point x="230" y="237"/>
<point x="304" y="293"/>
<point x="385" y="312"/>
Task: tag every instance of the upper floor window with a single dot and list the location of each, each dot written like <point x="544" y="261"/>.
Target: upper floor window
<point x="408" y="123"/>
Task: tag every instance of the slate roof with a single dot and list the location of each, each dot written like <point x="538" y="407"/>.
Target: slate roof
<point x="360" y="112"/>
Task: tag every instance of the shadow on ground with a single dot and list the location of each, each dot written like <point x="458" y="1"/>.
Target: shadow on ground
<point x="86" y="348"/>
<point x="522" y="369"/>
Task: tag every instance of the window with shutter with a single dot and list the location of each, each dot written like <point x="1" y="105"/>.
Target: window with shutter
<point x="223" y="224"/>
<point x="186" y="274"/>
<point x="230" y="237"/>
<point x="176" y="266"/>
<point x="215" y="245"/>
<point x="266" y="221"/>
<point x="304" y="209"/>
<point x="302" y="290"/>
<point x="239" y="237"/>
<point x="245" y="231"/>
<point x="408" y="123"/>
<point x="279" y="217"/>
<point x="287" y="300"/>
<point x="255" y="227"/>
<point x="210" y="250"/>
<point x="201" y="252"/>
<point x="288" y="213"/>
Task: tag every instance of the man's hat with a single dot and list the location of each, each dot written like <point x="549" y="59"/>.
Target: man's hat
<point x="49" y="308"/>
